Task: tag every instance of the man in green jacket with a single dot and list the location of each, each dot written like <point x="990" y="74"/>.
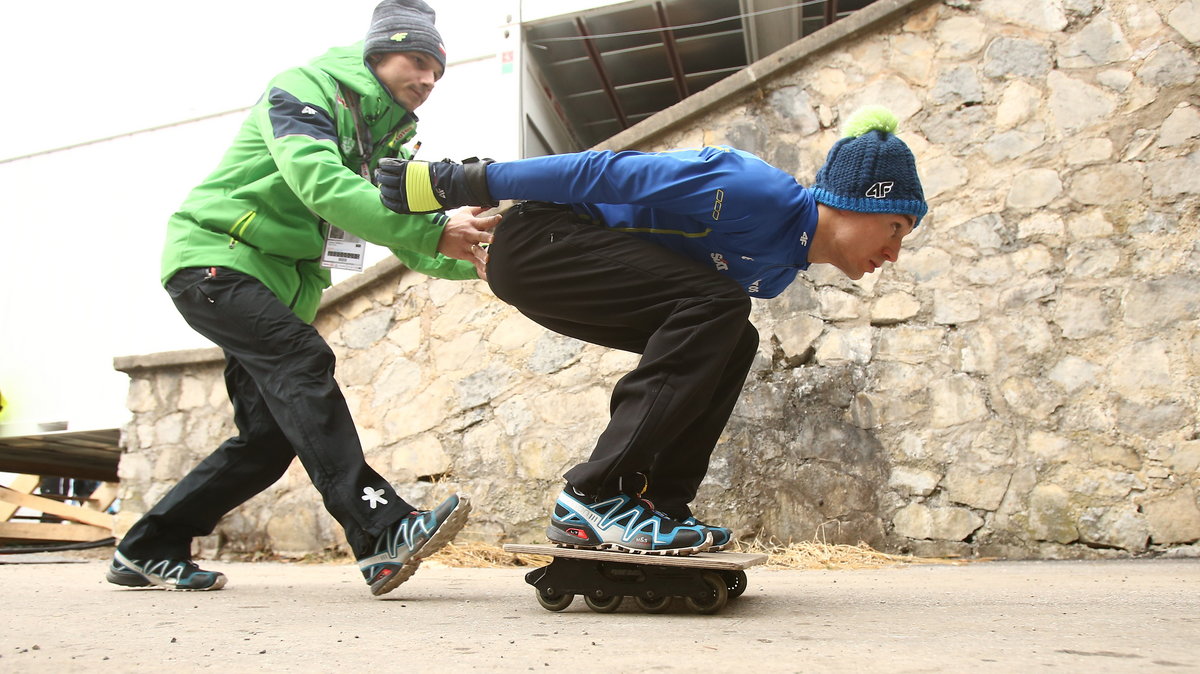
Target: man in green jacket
<point x="243" y="263"/>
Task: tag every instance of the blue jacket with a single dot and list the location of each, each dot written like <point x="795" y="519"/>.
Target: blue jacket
<point x="722" y="207"/>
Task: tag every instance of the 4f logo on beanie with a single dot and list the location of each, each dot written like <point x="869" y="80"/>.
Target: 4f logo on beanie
<point x="880" y="190"/>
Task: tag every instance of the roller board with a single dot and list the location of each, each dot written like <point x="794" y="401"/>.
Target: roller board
<point x="705" y="581"/>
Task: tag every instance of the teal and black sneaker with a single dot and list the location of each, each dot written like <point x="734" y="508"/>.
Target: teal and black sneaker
<point x="721" y="536"/>
<point x="170" y="574"/>
<point x="623" y="523"/>
<point x="399" y="551"/>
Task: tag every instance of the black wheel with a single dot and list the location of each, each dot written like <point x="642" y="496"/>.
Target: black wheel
<point x="656" y="605"/>
<point x="717" y="596"/>
<point x="556" y="602"/>
<point x="735" y="583"/>
<point x="603" y="604"/>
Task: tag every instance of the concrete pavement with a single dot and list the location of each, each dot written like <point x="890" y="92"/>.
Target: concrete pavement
<point x="1109" y="616"/>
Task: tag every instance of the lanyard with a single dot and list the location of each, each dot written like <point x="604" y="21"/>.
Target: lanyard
<point x="362" y="133"/>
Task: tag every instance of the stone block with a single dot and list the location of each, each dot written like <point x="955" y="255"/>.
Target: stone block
<point x="367" y="328"/>
<point x="893" y="308"/>
<point x="1017" y="58"/>
<point x="1018" y="104"/>
<point x="1184" y="459"/>
<point x="1168" y="66"/>
<point x="422" y="456"/>
<point x="1120" y="526"/>
<point x="955" y="307"/>
<point x="1090" y="151"/>
<point x="1174" y="518"/>
<point x="958" y="37"/>
<point x="1185" y="18"/>
<point x="1180" y="126"/>
<point x="839" y="347"/>
<point x="956" y="400"/>
<point x="1141" y="371"/>
<point x="957" y="86"/>
<point x="1050" y="517"/>
<point x="909" y="345"/>
<point x="1100" y="42"/>
<point x="1076" y="105"/>
<point x="1174" y="177"/>
<point x="836" y="305"/>
<point x="1161" y="303"/>
<point x="1108" y="184"/>
<point x="140" y="397"/>
<point x="913" y="481"/>
<point x="976" y="483"/>
<point x="1082" y="315"/>
<point x="1034" y="188"/>
<point x="1039" y="16"/>
<point x="1074" y="373"/>
<point x="293" y="531"/>
<point x="946" y="524"/>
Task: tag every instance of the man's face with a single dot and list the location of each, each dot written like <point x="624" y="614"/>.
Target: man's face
<point x="409" y="76"/>
<point x="867" y="240"/>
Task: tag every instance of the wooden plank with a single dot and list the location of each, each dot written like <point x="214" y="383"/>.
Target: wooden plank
<point x="726" y="561"/>
<point x="102" y="498"/>
<point x="52" y="507"/>
<point x="22" y="484"/>
<point x="53" y="532"/>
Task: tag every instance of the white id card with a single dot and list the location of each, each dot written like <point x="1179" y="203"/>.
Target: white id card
<point x="343" y="250"/>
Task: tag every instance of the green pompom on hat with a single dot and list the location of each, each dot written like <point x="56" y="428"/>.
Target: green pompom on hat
<point x="870" y="118"/>
<point x="870" y="170"/>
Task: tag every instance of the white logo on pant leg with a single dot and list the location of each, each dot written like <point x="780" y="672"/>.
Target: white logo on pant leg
<point x="880" y="190"/>
<point x="373" y="496"/>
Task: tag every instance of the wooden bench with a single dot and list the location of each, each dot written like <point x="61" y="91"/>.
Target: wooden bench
<point x="86" y="455"/>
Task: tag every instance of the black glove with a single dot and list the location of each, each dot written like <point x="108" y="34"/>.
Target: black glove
<point x="410" y="186"/>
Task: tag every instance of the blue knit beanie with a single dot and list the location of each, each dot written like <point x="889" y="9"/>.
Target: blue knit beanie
<point x="870" y="170"/>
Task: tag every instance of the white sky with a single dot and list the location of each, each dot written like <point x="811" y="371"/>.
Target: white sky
<point x="82" y="229"/>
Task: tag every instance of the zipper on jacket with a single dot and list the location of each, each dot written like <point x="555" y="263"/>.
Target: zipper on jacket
<point x="240" y="225"/>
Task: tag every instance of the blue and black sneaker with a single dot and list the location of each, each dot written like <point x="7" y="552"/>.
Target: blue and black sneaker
<point x="399" y="551"/>
<point x="171" y="574"/>
<point x="721" y="536"/>
<point x="623" y="523"/>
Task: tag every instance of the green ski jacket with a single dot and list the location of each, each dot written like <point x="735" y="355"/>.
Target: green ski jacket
<point x="296" y="167"/>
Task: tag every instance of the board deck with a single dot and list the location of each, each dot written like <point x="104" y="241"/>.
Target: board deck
<point x="727" y="561"/>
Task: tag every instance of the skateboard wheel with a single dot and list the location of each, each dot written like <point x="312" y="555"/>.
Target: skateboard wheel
<point x="657" y="605"/>
<point x="735" y="583"/>
<point x="603" y="604"/>
<point x="717" y="596"/>
<point x="555" y="602"/>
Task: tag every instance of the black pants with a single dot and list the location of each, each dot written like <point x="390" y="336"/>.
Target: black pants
<point x="690" y="324"/>
<point x="286" y="404"/>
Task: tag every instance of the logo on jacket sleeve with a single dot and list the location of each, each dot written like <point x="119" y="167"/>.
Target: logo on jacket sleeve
<point x="720" y="201"/>
<point x="719" y="260"/>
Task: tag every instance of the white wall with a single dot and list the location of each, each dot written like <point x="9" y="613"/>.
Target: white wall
<point x="83" y="227"/>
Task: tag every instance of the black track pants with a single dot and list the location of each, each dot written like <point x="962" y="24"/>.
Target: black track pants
<point x="690" y="324"/>
<point x="286" y="404"/>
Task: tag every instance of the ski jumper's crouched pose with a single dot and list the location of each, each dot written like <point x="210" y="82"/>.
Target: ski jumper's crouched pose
<point x="660" y="254"/>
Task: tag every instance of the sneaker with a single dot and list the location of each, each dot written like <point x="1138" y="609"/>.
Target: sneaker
<point x="409" y="186"/>
<point x="623" y="523"/>
<point x="171" y="574"/>
<point x="722" y="536"/>
<point x="399" y="551"/>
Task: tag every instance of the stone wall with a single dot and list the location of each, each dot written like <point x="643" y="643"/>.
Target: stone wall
<point x="1023" y="383"/>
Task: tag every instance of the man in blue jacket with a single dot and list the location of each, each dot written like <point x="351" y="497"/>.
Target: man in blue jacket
<point x="659" y="254"/>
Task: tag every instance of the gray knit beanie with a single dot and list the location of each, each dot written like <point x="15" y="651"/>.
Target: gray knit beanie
<point x="404" y="25"/>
